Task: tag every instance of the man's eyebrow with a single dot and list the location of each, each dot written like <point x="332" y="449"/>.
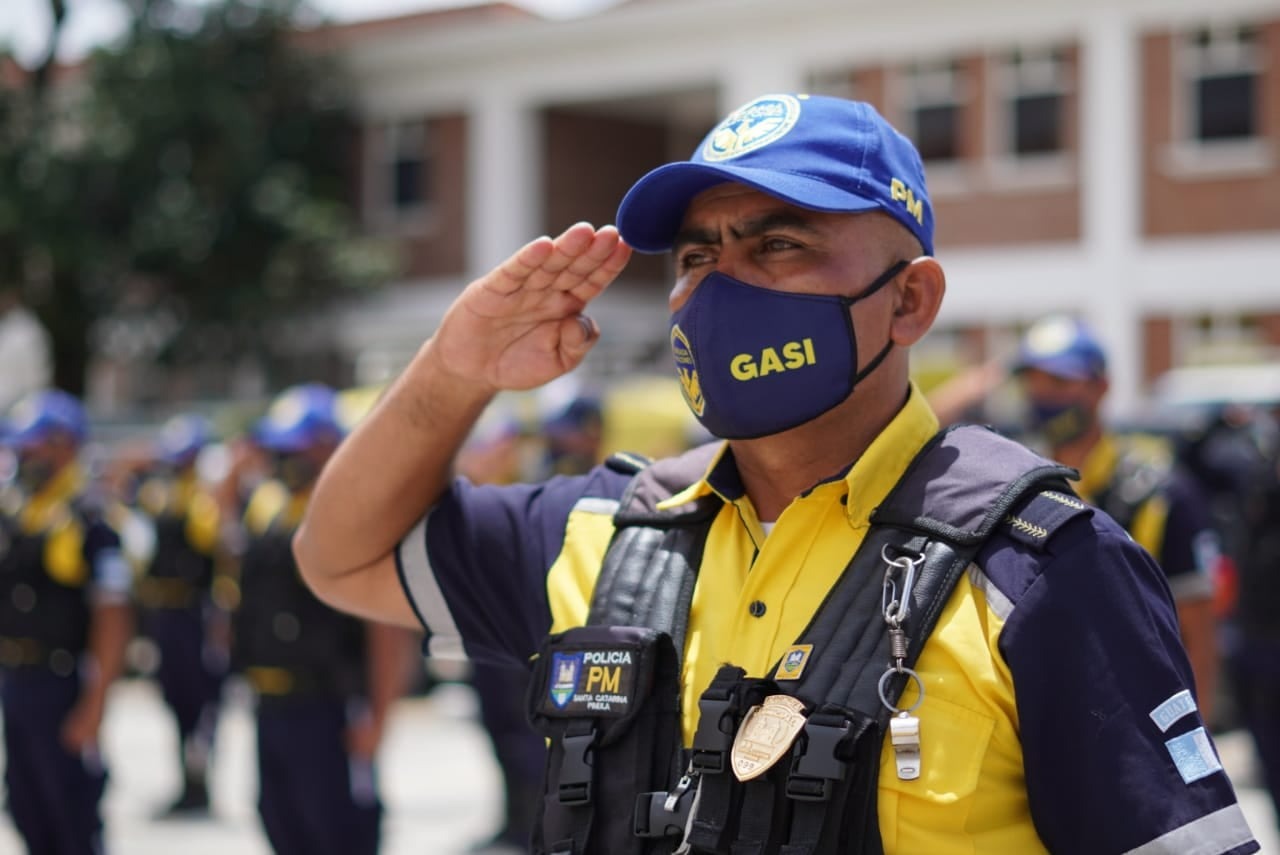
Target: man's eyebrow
<point x="693" y="236"/>
<point x="753" y="227"/>
<point x="787" y="219"/>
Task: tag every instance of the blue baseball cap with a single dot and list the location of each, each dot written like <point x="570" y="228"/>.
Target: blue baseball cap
<point x="40" y="415"/>
<point x="1063" y="347"/>
<point x="575" y="415"/>
<point x="299" y="418"/>
<point x="813" y="151"/>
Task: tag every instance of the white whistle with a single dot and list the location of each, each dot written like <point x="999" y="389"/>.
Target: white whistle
<point x="904" y="735"/>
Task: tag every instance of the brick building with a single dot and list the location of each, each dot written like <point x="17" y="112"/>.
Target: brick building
<point x="1116" y="159"/>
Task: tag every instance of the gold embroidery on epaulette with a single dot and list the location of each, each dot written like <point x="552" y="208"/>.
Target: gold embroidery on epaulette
<point x="1063" y="499"/>
<point x="633" y="459"/>
<point x="1038" y="532"/>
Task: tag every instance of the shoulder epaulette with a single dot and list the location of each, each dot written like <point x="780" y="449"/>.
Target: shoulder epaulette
<point x="1035" y="521"/>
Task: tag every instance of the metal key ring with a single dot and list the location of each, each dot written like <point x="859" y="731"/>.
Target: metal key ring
<point x="911" y="674"/>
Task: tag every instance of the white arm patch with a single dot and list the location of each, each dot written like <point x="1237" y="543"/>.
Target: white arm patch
<point x="425" y="596"/>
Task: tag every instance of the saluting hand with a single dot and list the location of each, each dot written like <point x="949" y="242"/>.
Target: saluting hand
<point x="521" y="324"/>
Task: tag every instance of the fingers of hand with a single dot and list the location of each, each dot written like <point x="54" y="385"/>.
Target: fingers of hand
<point x="609" y="257"/>
<point x="581" y="254"/>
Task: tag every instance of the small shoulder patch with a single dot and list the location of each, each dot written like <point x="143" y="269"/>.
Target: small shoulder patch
<point x="626" y="462"/>
<point x="1036" y="521"/>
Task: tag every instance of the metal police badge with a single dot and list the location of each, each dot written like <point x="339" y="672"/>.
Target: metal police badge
<point x="766" y="733"/>
<point x="752" y="126"/>
<point x="690" y="385"/>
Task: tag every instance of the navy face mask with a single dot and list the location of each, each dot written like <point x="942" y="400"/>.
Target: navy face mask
<point x="33" y="474"/>
<point x="1059" y="423"/>
<point x="753" y="361"/>
<point x="296" y="471"/>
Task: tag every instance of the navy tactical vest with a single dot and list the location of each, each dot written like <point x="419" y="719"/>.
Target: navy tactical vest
<point x="281" y="625"/>
<point x="607" y="695"/>
<point x="43" y="622"/>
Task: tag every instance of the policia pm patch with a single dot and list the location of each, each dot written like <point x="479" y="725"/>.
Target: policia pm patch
<point x="595" y="682"/>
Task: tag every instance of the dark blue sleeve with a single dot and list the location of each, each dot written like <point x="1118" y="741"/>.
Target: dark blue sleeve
<point x="1116" y="755"/>
<point x="1190" y="549"/>
<point x="108" y="566"/>
<point x="489" y="549"/>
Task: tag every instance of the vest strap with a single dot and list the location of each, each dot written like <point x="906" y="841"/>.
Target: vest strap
<point x="575" y="769"/>
<point x="763" y="815"/>
<point x="820" y="781"/>
<point x="721" y="708"/>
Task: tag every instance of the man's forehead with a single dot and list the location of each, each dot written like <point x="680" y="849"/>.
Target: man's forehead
<point x="731" y="194"/>
<point x="739" y="205"/>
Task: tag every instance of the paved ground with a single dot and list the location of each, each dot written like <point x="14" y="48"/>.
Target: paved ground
<point x="439" y="781"/>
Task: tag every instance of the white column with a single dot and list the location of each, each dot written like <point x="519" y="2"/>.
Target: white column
<point x="745" y="81"/>
<point x="504" y="170"/>
<point x="1111" y="187"/>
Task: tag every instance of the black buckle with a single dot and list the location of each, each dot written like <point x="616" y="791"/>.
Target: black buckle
<point x="814" y="771"/>
<point x="707" y="762"/>
<point x="652" y="819"/>
<point x="711" y="742"/>
<point x="575" y="770"/>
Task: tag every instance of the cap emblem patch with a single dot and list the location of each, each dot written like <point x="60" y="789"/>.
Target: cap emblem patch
<point x="752" y="126"/>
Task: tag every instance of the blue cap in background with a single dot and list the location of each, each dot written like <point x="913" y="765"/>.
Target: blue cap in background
<point x="41" y="415"/>
<point x="816" y="152"/>
<point x="299" y="418"/>
<point x="1063" y="347"/>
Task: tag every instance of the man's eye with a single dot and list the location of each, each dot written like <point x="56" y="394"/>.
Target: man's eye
<point x="777" y="244"/>
<point x="693" y="258"/>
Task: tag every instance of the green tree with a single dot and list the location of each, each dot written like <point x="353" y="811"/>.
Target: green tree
<point x="198" y="185"/>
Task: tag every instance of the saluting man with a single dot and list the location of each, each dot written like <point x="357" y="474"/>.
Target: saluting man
<point x="836" y="630"/>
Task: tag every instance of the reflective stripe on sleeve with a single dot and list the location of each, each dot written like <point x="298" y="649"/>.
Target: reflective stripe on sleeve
<point x="1212" y="834"/>
<point x="999" y="604"/>
<point x="112" y="574"/>
<point x="594" y="505"/>
<point x="419" y="582"/>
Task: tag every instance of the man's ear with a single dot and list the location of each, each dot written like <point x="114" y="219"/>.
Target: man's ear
<point x="919" y="296"/>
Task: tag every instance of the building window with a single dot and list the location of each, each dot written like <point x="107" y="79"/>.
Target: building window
<point x="1033" y="96"/>
<point x="399" y="183"/>
<point x="1219" y="338"/>
<point x="407" y="162"/>
<point x="933" y="103"/>
<point x="1221" y="68"/>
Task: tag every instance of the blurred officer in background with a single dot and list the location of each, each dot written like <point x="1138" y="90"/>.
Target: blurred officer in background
<point x="572" y="427"/>
<point x="492" y="455"/>
<point x="1237" y="455"/>
<point x="324" y="681"/>
<point x="1136" y="479"/>
<point x="65" y="621"/>
<point x="182" y="611"/>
